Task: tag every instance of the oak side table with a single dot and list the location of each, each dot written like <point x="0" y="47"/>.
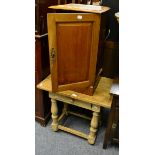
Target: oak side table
<point x="101" y="98"/>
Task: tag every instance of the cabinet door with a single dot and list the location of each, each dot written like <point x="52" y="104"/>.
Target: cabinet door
<point x="73" y="46"/>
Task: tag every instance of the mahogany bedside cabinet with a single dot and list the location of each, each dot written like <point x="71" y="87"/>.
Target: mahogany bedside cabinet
<point x="76" y="34"/>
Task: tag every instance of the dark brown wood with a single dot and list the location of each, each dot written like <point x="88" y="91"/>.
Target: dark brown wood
<point x="41" y="7"/>
<point x="71" y="1"/>
<point x="42" y="69"/>
<point x="110" y="59"/>
<point x="84" y="1"/>
<point x="41" y="11"/>
<point x="112" y="130"/>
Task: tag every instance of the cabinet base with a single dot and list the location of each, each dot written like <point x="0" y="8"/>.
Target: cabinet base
<point x="43" y="120"/>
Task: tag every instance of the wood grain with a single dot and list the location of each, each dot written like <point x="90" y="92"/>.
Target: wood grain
<point x="80" y="7"/>
<point x="72" y="131"/>
<point x="74" y="39"/>
<point x="100" y="97"/>
<point x="73" y="51"/>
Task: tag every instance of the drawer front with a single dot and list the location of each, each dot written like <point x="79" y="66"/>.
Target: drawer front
<point x="71" y="101"/>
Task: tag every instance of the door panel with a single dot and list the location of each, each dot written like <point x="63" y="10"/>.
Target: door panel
<point x="74" y="54"/>
<point x="73" y="47"/>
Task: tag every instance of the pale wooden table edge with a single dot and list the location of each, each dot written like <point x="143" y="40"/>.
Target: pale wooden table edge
<point x="95" y="99"/>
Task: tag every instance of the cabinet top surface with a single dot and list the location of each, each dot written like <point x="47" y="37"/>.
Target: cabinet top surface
<point x="81" y="7"/>
<point x="100" y="97"/>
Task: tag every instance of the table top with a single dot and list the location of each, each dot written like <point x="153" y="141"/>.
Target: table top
<point x="100" y="97"/>
<point x="81" y="7"/>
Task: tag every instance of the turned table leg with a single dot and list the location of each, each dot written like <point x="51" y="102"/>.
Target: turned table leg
<point x="54" y="111"/>
<point x="93" y="128"/>
<point x="65" y="109"/>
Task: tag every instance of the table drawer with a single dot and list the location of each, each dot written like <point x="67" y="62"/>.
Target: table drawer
<point x="72" y="101"/>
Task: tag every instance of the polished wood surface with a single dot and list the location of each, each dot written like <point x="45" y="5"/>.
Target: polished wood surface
<point x="76" y="55"/>
<point x="81" y="7"/>
<point x="73" y="46"/>
<point x="100" y="97"/>
<point x="42" y="69"/>
<point x="76" y="46"/>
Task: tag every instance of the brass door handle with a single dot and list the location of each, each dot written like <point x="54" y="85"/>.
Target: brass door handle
<point x="52" y="53"/>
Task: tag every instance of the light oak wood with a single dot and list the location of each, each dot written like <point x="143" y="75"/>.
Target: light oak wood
<point x="100" y="97"/>
<point x="79" y="115"/>
<point x="61" y="116"/>
<point x="72" y="131"/>
<point x="54" y="111"/>
<point x="71" y="101"/>
<point x="65" y="109"/>
<point x="81" y="7"/>
<point x="93" y="128"/>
